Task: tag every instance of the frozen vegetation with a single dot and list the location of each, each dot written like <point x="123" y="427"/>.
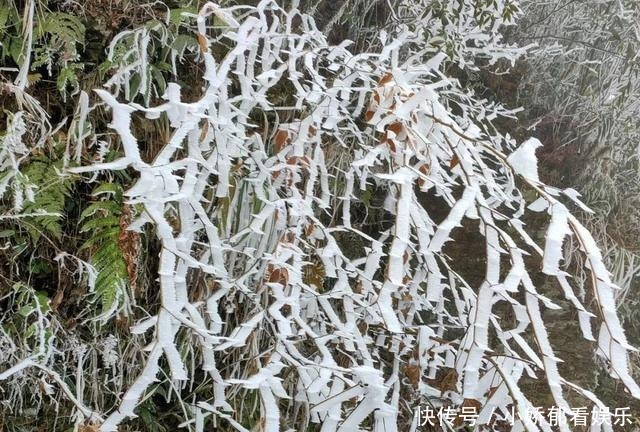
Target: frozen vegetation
<point x="232" y="217"/>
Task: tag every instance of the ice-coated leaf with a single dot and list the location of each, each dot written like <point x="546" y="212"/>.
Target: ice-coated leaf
<point x="558" y="230"/>
<point x="524" y="160"/>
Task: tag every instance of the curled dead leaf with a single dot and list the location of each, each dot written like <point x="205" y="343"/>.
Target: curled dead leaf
<point x="369" y="115"/>
<point x="449" y="382"/>
<point x="413" y="374"/>
<point x="424" y="169"/>
<point x="386" y="78"/>
<point x="279" y="275"/>
<point x="285" y="310"/>
<point x="308" y="231"/>
<point x="396" y="128"/>
<point x="392" y="145"/>
<point x="203" y="42"/>
<point x="454" y="162"/>
<point x="281" y="140"/>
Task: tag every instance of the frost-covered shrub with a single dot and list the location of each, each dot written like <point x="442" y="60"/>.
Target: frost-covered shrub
<point x="582" y="80"/>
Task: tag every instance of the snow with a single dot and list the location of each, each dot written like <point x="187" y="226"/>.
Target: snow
<point x="524" y="161"/>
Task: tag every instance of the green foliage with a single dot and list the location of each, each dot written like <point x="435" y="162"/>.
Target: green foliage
<point x="101" y="220"/>
<point x="51" y="191"/>
<point x="33" y="308"/>
<point x="142" y="58"/>
<point x="56" y="36"/>
<point x="61" y="28"/>
<point x="10" y="28"/>
<point x="149" y="414"/>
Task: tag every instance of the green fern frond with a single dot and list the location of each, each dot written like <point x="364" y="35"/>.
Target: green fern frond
<point x="62" y="26"/>
<point x="51" y="191"/>
<point x="101" y="219"/>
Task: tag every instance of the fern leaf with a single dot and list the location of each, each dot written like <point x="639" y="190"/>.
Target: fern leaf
<point x="102" y="220"/>
<point x="51" y="191"/>
<point x="64" y="26"/>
